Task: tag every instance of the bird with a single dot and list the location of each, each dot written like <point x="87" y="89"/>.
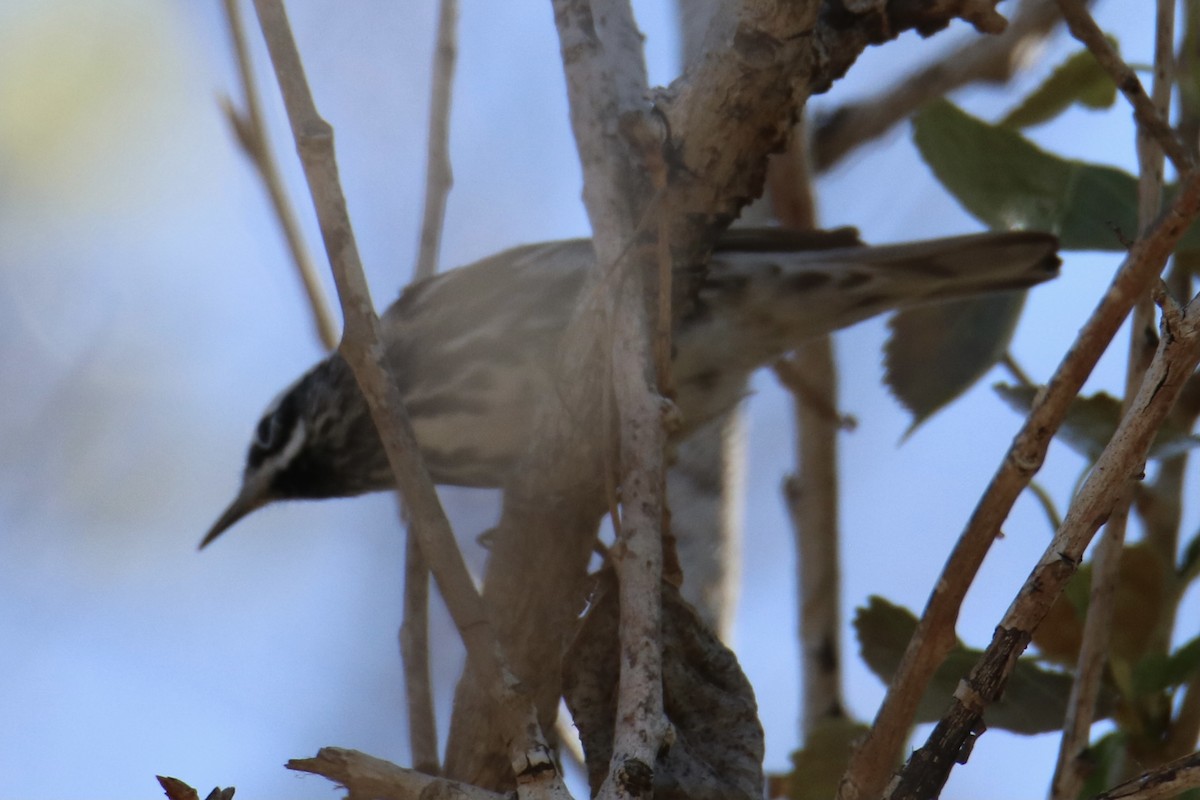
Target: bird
<point x="472" y="349"/>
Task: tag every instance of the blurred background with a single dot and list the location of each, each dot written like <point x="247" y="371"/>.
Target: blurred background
<point x="149" y="311"/>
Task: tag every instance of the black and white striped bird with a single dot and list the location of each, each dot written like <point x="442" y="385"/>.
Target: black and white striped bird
<point x="473" y="348"/>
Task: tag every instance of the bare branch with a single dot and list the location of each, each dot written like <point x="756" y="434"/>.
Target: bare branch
<point x="1112" y="477"/>
<point x="607" y="88"/>
<point x="414" y="629"/>
<point x="365" y="776"/>
<point x="1169" y="780"/>
<point x="811" y="493"/>
<point x="529" y="753"/>
<point x="1071" y="769"/>
<point x="1085" y="29"/>
<point x="438" y="175"/>
<point x="705" y="479"/>
<point x="251" y="133"/>
<point x="414" y="654"/>
<point x="870" y="766"/>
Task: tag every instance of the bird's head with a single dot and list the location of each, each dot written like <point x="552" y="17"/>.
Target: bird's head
<point x="316" y="440"/>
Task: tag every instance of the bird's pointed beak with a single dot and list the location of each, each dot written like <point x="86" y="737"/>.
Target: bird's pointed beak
<point x="253" y="495"/>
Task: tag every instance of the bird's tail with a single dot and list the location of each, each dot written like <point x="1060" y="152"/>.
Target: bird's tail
<point x="767" y="291"/>
<point x="789" y="295"/>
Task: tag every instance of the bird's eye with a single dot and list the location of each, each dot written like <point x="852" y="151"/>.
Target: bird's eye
<point x="273" y="432"/>
<point x="268" y="432"/>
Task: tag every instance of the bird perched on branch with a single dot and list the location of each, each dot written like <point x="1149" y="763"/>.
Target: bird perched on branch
<point x="473" y="349"/>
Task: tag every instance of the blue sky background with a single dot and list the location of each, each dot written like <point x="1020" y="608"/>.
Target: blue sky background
<point x="148" y="312"/>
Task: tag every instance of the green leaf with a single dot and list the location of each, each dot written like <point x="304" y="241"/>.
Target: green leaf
<point x="1079" y="79"/>
<point x="1157" y="671"/>
<point x="1091" y="422"/>
<point x="937" y="352"/>
<point x="1007" y="182"/>
<point x="1034" y="700"/>
<point x="1107" y="759"/>
<point x="817" y="768"/>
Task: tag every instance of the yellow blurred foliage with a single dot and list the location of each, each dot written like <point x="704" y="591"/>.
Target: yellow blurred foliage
<point x="83" y="83"/>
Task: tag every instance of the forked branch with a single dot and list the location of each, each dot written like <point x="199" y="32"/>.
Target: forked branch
<point x="870" y="765"/>
<point x="1110" y="481"/>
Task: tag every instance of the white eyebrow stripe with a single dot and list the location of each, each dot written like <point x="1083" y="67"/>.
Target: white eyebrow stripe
<point x="277" y="462"/>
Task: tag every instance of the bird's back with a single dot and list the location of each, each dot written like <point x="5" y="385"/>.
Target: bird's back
<point x="475" y="348"/>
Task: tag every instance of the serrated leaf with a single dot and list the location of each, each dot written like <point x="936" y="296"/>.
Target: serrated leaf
<point x="1157" y="671"/>
<point x="1079" y="79"/>
<point x="1007" y="182"/>
<point x="1034" y="700"/>
<point x="1091" y="422"/>
<point x="935" y="353"/>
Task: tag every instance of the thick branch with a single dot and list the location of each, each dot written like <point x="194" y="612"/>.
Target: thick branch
<point x="607" y="88"/>
<point x="991" y="60"/>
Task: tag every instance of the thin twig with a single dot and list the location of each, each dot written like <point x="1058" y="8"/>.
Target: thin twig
<point x="1072" y="768"/>
<point x="811" y="492"/>
<point x="1163" y="538"/>
<point x="528" y="752"/>
<point x="1085" y="29"/>
<point x="1113" y="476"/>
<point x="1019" y="375"/>
<point x="414" y="655"/>
<point x="871" y="763"/>
<point x="812" y="501"/>
<point x="607" y="89"/>
<point x="1169" y="780"/>
<point x="414" y="628"/>
<point x="252" y="135"/>
<point x="439" y="176"/>
<point x="796" y="382"/>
